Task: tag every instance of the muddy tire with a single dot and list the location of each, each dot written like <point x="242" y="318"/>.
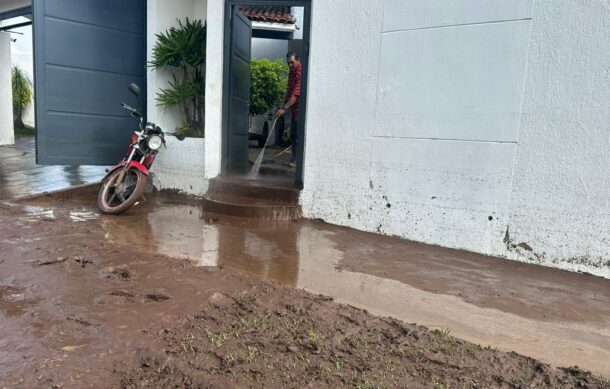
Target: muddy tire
<point x="112" y="203"/>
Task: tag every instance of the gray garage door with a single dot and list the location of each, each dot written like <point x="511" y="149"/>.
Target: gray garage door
<point x="86" y="54"/>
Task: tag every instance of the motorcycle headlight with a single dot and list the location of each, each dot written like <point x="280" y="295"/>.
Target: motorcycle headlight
<point x="154" y="142"/>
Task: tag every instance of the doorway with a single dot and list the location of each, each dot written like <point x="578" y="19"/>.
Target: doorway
<point x="17" y="123"/>
<point x="245" y="25"/>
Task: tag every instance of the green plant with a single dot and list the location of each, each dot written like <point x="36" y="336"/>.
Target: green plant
<point x="22" y="94"/>
<point x="268" y="84"/>
<point x="181" y="51"/>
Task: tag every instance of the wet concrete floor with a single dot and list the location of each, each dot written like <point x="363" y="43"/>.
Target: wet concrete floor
<point x="20" y="176"/>
<point x="558" y="317"/>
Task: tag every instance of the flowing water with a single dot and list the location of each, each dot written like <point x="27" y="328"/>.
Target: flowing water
<point x="259" y="160"/>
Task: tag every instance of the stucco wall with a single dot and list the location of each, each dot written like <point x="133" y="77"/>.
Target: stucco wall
<point x="6" y="97"/>
<point x="418" y="131"/>
<point x="414" y="132"/>
<point x="181" y="165"/>
<point x="213" y="88"/>
<point x="560" y="204"/>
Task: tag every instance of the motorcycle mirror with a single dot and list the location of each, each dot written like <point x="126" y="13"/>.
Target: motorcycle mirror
<point x="134" y="89"/>
<point x="180" y="137"/>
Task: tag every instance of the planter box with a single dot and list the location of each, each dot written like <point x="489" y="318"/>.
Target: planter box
<point x="180" y="166"/>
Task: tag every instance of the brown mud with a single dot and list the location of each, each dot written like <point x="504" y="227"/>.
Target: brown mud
<point x="95" y="301"/>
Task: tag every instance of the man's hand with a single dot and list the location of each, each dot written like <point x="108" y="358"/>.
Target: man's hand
<point x="280" y="112"/>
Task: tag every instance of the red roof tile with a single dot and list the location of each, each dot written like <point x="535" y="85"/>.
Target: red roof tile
<point x="267" y="13"/>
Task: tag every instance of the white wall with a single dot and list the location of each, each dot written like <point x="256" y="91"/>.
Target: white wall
<point x="6" y="97"/>
<point x="23" y="57"/>
<point x="418" y="131"/>
<point x="424" y="127"/>
<point x="180" y="166"/>
<point x="161" y="15"/>
<point x="560" y="204"/>
<point x="213" y="88"/>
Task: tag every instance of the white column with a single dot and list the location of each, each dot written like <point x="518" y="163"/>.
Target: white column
<point x="213" y="88"/>
<point x="7" y="136"/>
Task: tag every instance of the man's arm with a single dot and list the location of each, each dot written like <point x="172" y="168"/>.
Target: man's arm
<point x="287" y="105"/>
<point x="294" y="95"/>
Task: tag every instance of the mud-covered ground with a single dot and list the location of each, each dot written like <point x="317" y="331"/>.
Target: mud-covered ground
<point x="78" y="309"/>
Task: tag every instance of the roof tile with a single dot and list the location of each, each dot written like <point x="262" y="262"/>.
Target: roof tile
<point x="267" y="13"/>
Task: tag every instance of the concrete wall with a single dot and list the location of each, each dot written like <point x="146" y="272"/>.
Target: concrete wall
<point x="429" y="129"/>
<point x="213" y="88"/>
<point x="560" y="202"/>
<point x="180" y="166"/>
<point x="6" y="97"/>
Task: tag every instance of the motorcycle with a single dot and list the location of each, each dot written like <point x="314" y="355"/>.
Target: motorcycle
<point x="124" y="184"/>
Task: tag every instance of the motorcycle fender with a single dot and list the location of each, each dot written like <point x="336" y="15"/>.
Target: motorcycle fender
<point x="132" y="164"/>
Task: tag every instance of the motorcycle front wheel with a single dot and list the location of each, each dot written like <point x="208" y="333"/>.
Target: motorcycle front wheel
<point x="114" y="199"/>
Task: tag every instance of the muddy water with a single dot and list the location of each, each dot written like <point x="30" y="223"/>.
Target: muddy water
<point x="558" y="317"/>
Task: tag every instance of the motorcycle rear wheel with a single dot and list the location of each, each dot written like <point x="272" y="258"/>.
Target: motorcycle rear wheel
<point x="113" y="203"/>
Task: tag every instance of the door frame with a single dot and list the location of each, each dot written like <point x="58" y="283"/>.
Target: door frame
<point x="227" y="36"/>
<point x="16" y="12"/>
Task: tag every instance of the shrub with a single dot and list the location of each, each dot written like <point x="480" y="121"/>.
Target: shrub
<point x="22" y="94"/>
<point x="268" y="84"/>
<point x="181" y="50"/>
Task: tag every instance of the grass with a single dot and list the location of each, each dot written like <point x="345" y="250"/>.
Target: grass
<point x="22" y="132"/>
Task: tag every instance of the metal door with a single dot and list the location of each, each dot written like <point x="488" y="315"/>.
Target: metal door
<point x="86" y="52"/>
<point x="239" y="94"/>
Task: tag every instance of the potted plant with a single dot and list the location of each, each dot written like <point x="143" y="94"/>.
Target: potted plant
<point x="22" y="95"/>
<point x="181" y="51"/>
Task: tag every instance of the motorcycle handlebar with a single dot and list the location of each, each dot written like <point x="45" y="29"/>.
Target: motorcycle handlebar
<point x="131" y="109"/>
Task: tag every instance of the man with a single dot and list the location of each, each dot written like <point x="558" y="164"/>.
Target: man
<point x="291" y="101"/>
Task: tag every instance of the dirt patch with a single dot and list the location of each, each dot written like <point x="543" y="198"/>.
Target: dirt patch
<point x="83" y="261"/>
<point x="155" y="297"/>
<point x="287" y="338"/>
<point x="117" y="297"/>
<point x="121" y="272"/>
<point x="49" y="261"/>
<point x="79" y="324"/>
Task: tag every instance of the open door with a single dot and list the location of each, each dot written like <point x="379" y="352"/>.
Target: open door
<point x="86" y="52"/>
<point x="239" y="94"/>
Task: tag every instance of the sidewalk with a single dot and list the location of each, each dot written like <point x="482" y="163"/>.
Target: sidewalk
<point x="20" y="176"/>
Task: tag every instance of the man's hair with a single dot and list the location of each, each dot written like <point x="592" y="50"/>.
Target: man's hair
<point x="292" y="54"/>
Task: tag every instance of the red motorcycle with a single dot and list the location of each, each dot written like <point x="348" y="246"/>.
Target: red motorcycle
<point x="124" y="184"/>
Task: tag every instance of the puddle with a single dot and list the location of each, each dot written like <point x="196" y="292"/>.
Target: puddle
<point x="13" y="301"/>
<point x="36" y="212"/>
<point x="552" y="315"/>
<point x="49" y="213"/>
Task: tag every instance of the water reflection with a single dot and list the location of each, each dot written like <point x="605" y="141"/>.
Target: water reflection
<point x="20" y="176"/>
